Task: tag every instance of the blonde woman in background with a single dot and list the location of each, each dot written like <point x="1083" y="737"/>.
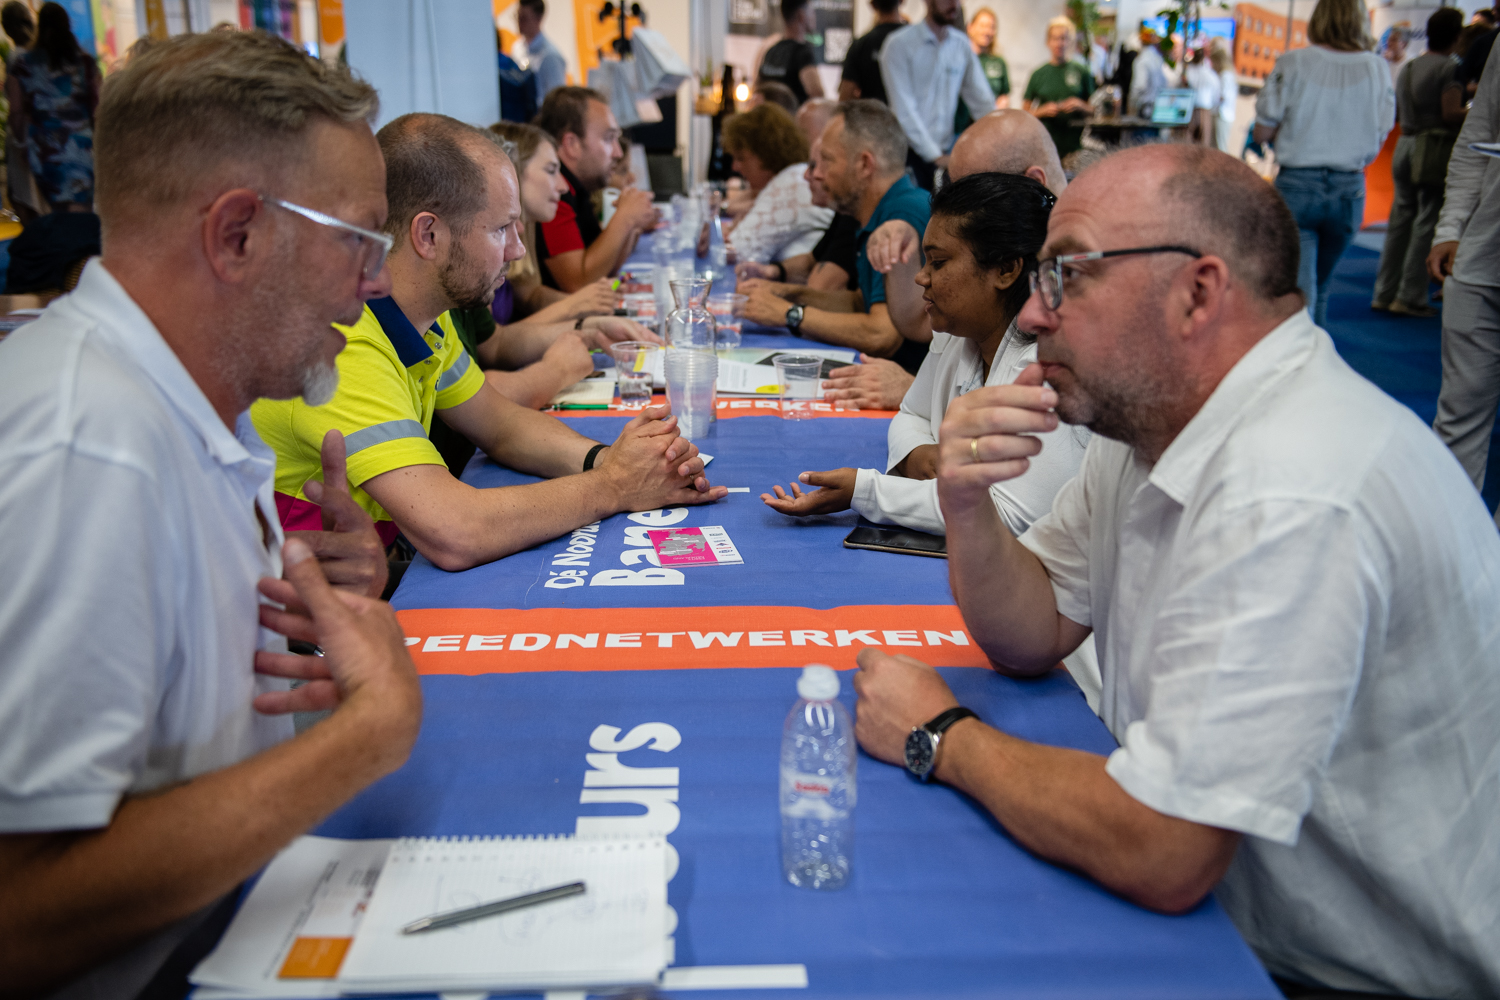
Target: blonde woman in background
<point x="534" y="153"/>
<point x="1229" y="92"/>
<point x="1327" y="109"/>
<point x="533" y="358"/>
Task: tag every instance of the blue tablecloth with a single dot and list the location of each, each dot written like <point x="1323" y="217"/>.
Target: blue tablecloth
<point x="521" y="670"/>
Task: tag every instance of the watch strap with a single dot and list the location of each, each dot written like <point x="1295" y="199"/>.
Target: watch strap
<point x="588" y="460"/>
<point x="940" y="725"/>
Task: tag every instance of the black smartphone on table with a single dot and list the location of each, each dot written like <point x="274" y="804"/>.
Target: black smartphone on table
<point x="900" y="540"/>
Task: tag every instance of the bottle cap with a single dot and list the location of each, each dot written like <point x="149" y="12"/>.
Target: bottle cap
<point x="818" y="683"/>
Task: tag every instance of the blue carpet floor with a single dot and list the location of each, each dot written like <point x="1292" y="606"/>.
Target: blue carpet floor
<point x="1401" y="355"/>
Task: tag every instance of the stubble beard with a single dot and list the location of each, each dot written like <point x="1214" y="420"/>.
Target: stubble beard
<point x="461" y="286"/>
<point x="268" y="350"/>
<point x="1132" y="396"/>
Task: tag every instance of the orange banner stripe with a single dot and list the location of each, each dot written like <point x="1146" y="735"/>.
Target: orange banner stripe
<point x="473" y="641"/>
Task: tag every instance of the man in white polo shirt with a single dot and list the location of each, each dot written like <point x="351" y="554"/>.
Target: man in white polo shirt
<point x="147" y="760"/>
<point x="1292" y="584"/>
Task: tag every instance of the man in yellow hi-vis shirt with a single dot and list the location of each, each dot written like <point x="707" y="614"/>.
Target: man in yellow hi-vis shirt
<point x="455" y="215"/>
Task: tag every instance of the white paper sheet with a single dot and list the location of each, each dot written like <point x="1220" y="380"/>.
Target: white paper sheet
<point x="311" y="898"/>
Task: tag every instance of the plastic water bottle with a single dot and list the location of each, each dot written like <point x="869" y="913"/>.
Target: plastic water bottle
<point x="818" y="756"/>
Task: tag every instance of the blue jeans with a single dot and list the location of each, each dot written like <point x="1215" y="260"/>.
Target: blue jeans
<point x="1329" y="206"/>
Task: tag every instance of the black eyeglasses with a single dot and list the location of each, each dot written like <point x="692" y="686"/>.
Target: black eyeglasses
<point x="1048" y="277"/>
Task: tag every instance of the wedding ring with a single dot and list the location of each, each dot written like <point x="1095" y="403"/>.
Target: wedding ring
<point x="974" y="450"/>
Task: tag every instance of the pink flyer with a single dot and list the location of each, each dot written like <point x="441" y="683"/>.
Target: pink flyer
<point x="707" y="546"/>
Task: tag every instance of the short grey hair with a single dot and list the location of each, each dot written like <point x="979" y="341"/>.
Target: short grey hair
<point x="184" y="107"/>
<point x="871" y="125"/>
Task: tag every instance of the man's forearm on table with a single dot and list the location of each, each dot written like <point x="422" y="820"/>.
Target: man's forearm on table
<point x="1062" y="805"/>
<point x="838" y="301"/>
<point x="489" y="524"/>
<point x="871" y="334"/>
<point x="536" y="444"/>
<point x="75" y="899"/>
<point x="532" y="386"/>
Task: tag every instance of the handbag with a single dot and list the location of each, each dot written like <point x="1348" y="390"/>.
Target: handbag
<point x="1431" y="149"/>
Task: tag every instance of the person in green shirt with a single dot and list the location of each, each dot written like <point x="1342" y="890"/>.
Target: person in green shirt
<point x="983" y="27"/>
<point x="1058" y="92"/>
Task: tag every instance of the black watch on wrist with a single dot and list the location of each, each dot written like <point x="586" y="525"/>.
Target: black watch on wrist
<point x="922" y="745"/>
<point x="794" y="319"/>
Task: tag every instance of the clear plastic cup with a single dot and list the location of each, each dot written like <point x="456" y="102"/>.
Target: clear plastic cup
<point x="728" y="308"/>
<point x="634" y="360"/>
<point x="797" y="375"/>
<point x="691" y="376"/>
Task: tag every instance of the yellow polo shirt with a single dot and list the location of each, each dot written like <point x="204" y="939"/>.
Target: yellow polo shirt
<point x="391" y="379"/>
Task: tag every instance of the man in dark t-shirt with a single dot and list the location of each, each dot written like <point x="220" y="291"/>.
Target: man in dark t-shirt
<point x="573" y="248"/>
<point x="791" y="61"/>
<point x="861" y="63"/>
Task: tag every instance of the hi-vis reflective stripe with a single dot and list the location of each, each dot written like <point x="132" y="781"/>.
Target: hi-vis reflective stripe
<point x="452" y="375"/>
<point x="391" y="430"/>
<point x="476" y="641"/>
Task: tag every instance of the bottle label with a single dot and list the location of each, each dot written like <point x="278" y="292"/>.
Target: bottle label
<point x="804" y="785"/>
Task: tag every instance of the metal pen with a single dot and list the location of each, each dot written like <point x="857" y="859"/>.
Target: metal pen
<point x="439" y="920"/>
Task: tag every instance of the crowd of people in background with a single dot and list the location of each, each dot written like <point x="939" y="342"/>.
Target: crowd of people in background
<point x="1113" y="393"/>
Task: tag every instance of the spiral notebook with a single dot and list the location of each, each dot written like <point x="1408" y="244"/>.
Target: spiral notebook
<point x="614" y="934"/>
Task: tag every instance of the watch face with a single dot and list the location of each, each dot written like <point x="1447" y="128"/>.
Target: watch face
<point x="919" y="749"/>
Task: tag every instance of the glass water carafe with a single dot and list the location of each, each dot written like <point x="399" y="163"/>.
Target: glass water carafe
<point x="690" y="325"/>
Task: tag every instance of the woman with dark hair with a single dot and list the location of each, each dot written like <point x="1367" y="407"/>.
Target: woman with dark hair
<point x="980" y="249"/>
<point x="59" y="84"/>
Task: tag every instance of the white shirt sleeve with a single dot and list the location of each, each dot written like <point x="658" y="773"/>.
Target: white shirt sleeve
<point x="912" y="426"/>
<point x="976" y="92"/>
<point x="84" y="646"/>
<point x="901" y="77"/>
<point x="782" y="214"/>
<point x="1060" y="538"/>
<point x="1255" y="659"/>
<point x="911" y="503"/>
<point x="1271" y="103"/>
<point x="1466" y="170"/>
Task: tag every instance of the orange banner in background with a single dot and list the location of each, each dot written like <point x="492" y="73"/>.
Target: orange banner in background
<point x="473" y="641"/>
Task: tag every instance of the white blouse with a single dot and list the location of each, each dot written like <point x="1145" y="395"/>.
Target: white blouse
<point x="783" y="222"/>
<point x="1331" y="109"/>
<point x="953" y="367"/>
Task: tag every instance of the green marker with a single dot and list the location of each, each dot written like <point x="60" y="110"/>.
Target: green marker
<point x="581" y="406"/>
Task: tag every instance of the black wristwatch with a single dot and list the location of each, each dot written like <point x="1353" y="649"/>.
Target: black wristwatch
<point x="922" y="745"/>
<point x="794" y="319"/>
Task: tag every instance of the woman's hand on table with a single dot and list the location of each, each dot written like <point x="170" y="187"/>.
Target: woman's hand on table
<point x="873" y="384"/>
<point x="601" y="331"/>
<point x="569" y="358"/>
<point x="594" y="299"/>
<point x="835" y="494"/>
<point x="650" y="465"/>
